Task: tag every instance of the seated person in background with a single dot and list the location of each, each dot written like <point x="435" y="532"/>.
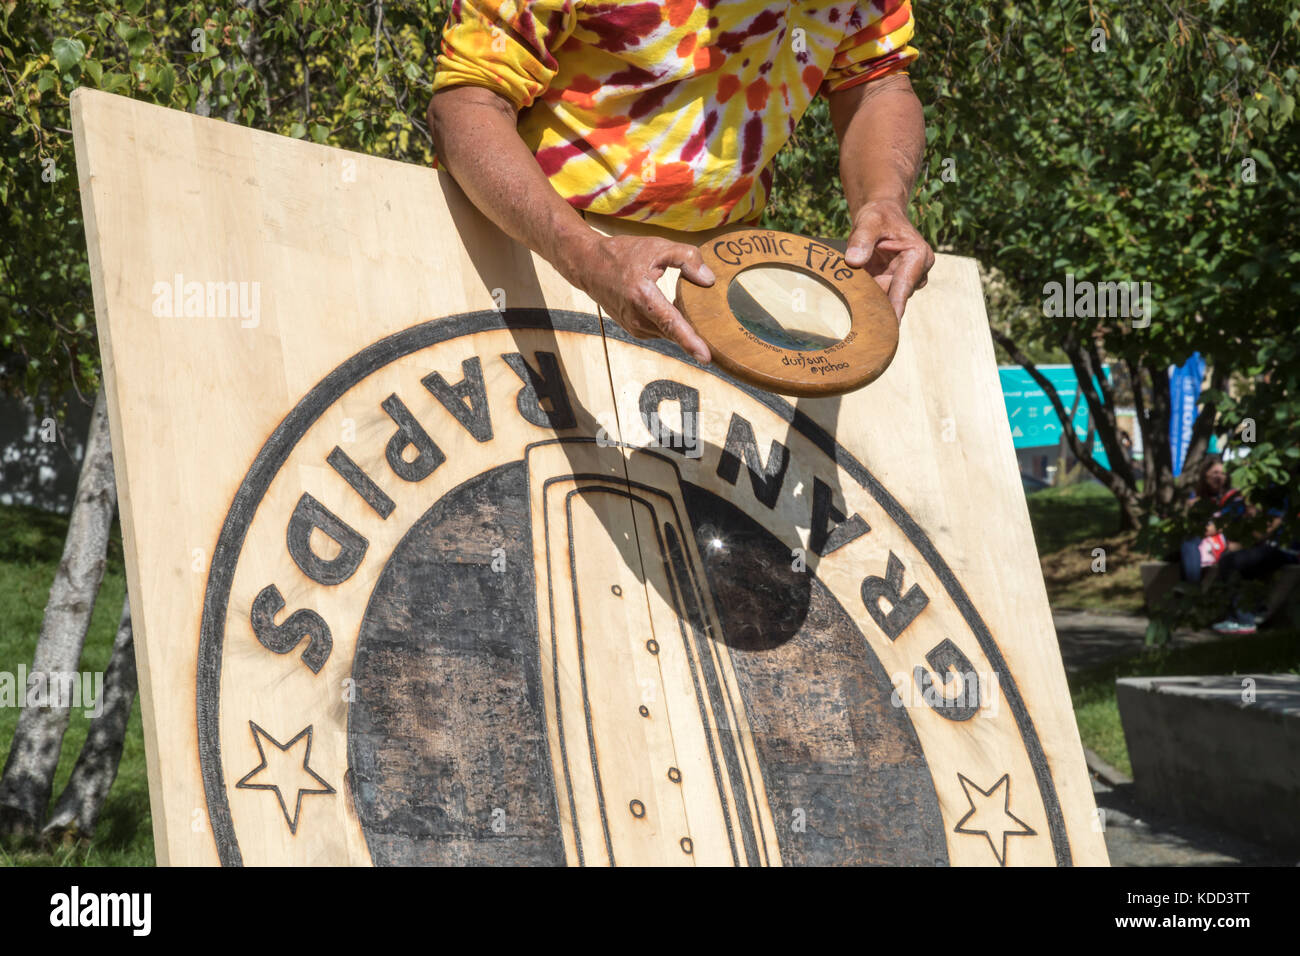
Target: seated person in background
<point x="1219" y="503"/>
<point x="1273" y="548"/>
<point x="1212" y="546"/>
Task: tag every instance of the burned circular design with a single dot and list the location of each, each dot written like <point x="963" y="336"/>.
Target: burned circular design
<point x="687" y="845"/>
<point x="281" y="443"/>
<point x="412" y="644"/>
<point x="637" y="808"/>
<point x="652" y="646"/>
<point x="615" y="590"/>
<point x="674" y="775"/>
<point x="643" y="710"/>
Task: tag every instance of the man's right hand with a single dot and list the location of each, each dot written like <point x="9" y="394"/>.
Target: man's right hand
<point x="621" y="274"/>
<point x="475" y="134"/>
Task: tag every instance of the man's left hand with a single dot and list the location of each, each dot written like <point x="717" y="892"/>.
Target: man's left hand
<point x="888" y="245"/>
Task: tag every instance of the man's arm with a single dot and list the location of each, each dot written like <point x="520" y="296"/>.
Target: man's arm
<point x="881" y="130"/>
<point x="475" y="135"/>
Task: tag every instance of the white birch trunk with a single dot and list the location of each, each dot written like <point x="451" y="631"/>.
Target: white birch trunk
<point x="34" y="755"/>
<point x="77" y="810"/>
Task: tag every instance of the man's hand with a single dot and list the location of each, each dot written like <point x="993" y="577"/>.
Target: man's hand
<point x="881" y="130"/>
<point x="620" y="273"/>
<point x="885" y="242"/>
<point x="475" y="134"/>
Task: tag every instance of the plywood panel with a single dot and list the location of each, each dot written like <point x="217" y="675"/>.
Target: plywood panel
<point x="405" y="592"/>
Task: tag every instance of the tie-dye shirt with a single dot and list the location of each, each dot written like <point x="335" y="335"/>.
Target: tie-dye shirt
<point x="667" y="112"/>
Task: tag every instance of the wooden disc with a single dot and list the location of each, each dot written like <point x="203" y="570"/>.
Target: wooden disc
<point x="787" y="314"/>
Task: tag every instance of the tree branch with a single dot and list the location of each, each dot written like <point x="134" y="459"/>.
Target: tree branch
<point x="1082" y="359"/>
<point x="1067" y="427"/>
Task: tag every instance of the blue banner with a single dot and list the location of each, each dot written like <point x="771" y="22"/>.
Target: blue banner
<point x="1184" y="391"/>
<point x="1034" y="422"/>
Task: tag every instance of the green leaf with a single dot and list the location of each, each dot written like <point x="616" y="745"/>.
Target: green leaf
<point x="1285" y="110"/>
<point x="165" y="82"/>
<point x="67" y="53"/>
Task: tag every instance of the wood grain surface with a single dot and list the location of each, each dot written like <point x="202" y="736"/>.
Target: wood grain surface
<point x="429" y="564"/>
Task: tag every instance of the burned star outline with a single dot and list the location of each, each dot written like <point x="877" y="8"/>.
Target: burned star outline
<point x="243" y="784"/>
<point x="1004" y="780"/>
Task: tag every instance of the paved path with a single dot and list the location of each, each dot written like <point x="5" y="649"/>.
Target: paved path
<point x="1089" y="638"/>
<point x="1136" y="835"/>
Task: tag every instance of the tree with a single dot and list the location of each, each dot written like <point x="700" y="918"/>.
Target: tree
<point x="34" y="757"/>
<point x="1109" y="143"/>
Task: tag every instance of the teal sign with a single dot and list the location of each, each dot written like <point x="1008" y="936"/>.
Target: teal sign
<point x="1034" y="422"/>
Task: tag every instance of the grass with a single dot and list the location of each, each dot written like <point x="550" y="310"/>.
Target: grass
<point x="31" y="542"/>
<point x="1070" y="523"/>
<point x="1093" y="691"/>
<point x="1072" y="515"/>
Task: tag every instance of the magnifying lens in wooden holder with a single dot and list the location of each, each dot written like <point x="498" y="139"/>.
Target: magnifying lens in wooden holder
<point x="788" y="315"/>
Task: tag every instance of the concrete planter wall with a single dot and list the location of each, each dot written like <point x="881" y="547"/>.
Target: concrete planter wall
<point x="1223" y="751"/>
